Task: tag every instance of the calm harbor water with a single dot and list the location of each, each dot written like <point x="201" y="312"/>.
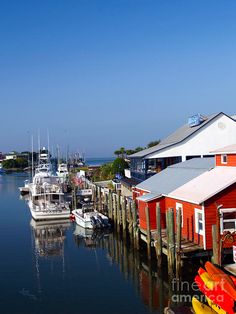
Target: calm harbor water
<point x="99" y="161"/>
<point x="51" y="268"/>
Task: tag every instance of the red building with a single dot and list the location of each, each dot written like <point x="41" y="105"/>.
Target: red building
<point x="208" y="195"/>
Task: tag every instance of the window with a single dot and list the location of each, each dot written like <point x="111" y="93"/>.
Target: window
<point x="224" y="159"/>
<point x="199" y="221"/>
<point x="180" y="207"/>
<point x="228" y="220"/>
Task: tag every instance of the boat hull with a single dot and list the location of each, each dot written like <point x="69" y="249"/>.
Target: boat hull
<point x="85" y="223"/>
<point x="49" y="216"/>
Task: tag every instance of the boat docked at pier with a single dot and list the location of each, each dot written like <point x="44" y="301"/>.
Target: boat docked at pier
<point x="47" y="200"/>
<point x="90" y="219"/>
<point x="62" y="172"/>
<point x="1" y="168"/>
<point x="85" y="215"/>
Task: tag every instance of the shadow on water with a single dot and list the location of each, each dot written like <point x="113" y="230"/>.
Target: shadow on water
<point x="156" y="290"/>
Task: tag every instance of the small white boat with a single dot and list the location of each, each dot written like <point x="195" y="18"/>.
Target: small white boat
<point x="25" y="189"/>
<point x="91" y="219"/>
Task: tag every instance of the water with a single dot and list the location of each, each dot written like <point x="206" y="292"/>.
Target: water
<point x="99" y="161"/>
<point x="49" y="268"/>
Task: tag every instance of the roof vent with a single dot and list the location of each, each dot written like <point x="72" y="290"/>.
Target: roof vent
<point x="196" y="119"/>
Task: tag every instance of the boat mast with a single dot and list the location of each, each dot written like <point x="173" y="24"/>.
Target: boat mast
<point x="39" y="146"/>
<point x="32" y="155"/>
<point x="48" y="146"/>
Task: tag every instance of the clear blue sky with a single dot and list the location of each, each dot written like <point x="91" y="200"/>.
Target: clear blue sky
<point x="101" y="74"/>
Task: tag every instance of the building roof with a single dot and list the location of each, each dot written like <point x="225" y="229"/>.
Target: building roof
<point x="176" y="175"/>
<point x="129" y="182"/>
<point x="178" y="136"/>
<point x="225" y="150"/>
<point x="148" y="197"/>
<point x="206" y="185"/>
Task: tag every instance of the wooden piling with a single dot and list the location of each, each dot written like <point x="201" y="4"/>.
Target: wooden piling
<point x="215" y="257"/>
<point x="148" y="232"/>
<point x="158" y="242"/>
<point x="170" y="241"/>
<point x="178" y="243"/>
<point x="118" y="210"/>
<point x="135" y="228"/>
<point x="124" y="216"/>
<point x="114" y="209"/>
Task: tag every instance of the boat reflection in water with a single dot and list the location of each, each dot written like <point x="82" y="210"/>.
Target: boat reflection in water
<point x="49" y="237"/>
<point x="89" y="237"/>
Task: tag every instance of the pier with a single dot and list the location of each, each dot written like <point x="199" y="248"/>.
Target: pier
<point x="122" y="212"/>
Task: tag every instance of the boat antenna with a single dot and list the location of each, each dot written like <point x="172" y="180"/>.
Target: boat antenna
<point x="32" y="156"/>
<point x="48" y="146"/>
<point x="39" y="145"/>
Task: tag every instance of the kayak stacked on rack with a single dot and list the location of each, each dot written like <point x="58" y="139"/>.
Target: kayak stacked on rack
<point x="219" y="289"/>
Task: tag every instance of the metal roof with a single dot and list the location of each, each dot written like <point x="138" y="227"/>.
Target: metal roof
<point x="148" y="197"/>
<point x="225" y="150"/>
<point x="178" y="136"/>
<point x="176" y="175"/>
<point x="206" y="185"/>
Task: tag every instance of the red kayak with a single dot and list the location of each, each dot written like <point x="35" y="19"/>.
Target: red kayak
<point x="222" y="279"/>
<point x="218" y="296"/>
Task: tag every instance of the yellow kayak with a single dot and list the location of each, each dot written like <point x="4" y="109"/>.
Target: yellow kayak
<point x="200" y="308"/>
<point x="209" y="283"/>
<point x="215" y="307"/>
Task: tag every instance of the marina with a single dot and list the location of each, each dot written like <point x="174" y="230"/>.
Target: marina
<point x="56" y="261"/>
<point x="118" y="157"/>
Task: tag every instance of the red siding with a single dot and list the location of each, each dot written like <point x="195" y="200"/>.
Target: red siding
<point x="227" y="198"/>
<point x="231" y="160"/>
<point x="152" y="213"/>
<point x="188" y="230"/>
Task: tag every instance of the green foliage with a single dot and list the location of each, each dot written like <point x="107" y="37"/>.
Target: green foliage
<point x="122" y="152"/>
<point x="119" y="165"/>
<point x="138" y="149"/>
<point x="153" y="143"/>
<point x="106" y="171"/>
<point x="109" y="170"/>
<point x="19" y="163"/>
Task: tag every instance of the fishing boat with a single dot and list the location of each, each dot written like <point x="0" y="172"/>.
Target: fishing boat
<point x="1" y="168"/>
<point x="200" y="308"/>
<point x="47" y="200"/>
<point x="90" y="219"/>
<point x="24" y="189"/>
<point x="62" y="172"/>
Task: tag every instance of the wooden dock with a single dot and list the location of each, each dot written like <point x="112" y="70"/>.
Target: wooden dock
<point x="122" y="212"/>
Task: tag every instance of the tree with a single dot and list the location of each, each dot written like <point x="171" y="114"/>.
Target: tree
<point x="119" y="165"/>
<point x="153" y="143"/>
<point x="122" y="152"/>
<point x="106" y="172"/>
<point x="129" y="152"/>
<point x="117" y="152"/>
<point x="138" y="149"/>
<point x="19" y="163"/>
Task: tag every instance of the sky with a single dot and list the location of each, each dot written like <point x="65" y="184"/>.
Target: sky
<point x="102" y="74"/>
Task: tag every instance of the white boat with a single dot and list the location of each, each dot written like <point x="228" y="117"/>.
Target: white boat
<point x="1" y="168"/>
<point x="24" y="189"/>
<point x="47" y="201"/>
<point x="91" y="219"/>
